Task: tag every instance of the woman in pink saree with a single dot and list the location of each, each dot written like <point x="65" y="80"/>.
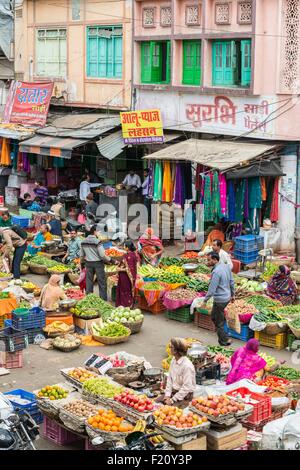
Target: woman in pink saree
<point x="245" y="362"/>
<point x="127" y="277"/>
<point x="150" y="247"/>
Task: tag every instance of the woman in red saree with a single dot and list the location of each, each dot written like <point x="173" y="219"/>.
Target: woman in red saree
<point x="245" y="362"/>
<point x="282" y="287"/>
<point x="127" y="277"/>
<point x="150" y="247"/>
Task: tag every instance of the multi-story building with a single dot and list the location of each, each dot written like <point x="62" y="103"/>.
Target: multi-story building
<point x="84" y="46"/>
<point x="224" y="68"/>
<point x="6" y="48"/>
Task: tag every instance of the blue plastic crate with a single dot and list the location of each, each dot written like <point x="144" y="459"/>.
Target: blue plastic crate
<point x="20" y="220"/>
<point x="37" y="416"/>
<point x="244" y="335"/>
<point x="7" y="323"/>
<point x="246" y="258"/>
<point x="29" y="407"/>
<point x="34" y="318"/>
<point x="248" y="243"/>
<point x="107" y="245"/>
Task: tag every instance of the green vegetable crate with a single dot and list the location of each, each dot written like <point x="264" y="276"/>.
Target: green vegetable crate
<point x="278" y="341"/>
<point x="180" y="314"/>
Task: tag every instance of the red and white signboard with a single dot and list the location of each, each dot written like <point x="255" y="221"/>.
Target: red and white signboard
<point x="28" y="103"/>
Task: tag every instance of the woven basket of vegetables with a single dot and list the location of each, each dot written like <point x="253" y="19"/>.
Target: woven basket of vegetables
<point x="73" y="277"/>
<point x="37" y="268"/>
<point x="24" y="269"/>
<point x="111" y="333"/>
<point x="274" y="329"/>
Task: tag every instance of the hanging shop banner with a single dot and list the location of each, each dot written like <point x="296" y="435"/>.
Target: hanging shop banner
<point x="142" y="127"/>
<point x="28" y="103"/>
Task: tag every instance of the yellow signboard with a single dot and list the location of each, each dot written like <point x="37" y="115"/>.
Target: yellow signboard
<point x="142" y="127"/>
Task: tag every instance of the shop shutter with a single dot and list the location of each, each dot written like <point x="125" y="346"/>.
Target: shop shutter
<point x="145" y="62"/>
<point x="246" y="62"/>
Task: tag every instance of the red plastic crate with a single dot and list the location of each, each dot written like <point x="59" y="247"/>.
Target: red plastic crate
<point x="56" y="433"/>
<point x="204" y="321"/>
<point x="157" y="307"/>
<point x="11" y="360"/>
<point x="261" y="410"/>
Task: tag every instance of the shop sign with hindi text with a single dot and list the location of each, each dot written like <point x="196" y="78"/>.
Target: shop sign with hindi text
<point x="142" y="127"/>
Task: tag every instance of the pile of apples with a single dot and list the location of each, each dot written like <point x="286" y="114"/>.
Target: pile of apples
<point x="173" y="416"/>
<point x="139" y="402"/>
<point x="217" y="405"/>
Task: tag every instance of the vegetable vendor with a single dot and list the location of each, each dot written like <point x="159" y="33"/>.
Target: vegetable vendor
<point x="150" y="247"/>
<point x="52" y="293"/>
<point x="127" y="276"/>
<point x="217" y="248"/>
<point x="282" y="287"/>
<point x="74" y="245"/>
<point x="41" y="237"/>
<point x="181" y="382"/>
<point x="246" y="362"/>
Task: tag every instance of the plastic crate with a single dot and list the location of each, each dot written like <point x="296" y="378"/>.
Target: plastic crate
<point x="37" y="416"/>
<point x="29" y="407"/>
<point x="24" y="319"/>
<point x="278" y="341"/>
<point x="20" y="220"/>
<point x="181" y="314"/>
<point x="89" y="446"/>
<point x="157" y="307"/>
<point x="246" y="257"/>
<point x="11" y="360"/>
<point x="203" y="320"/>
<point x="244" y="335"/>
<point x="56" y="433"/>
<point x="33" y="333"/>
<point x="14" y="340"/>
<point x="7" y="323"/>
<point x="261" y="410"/>
<point x="210" y="372"/>
<point x="248" y="243"/>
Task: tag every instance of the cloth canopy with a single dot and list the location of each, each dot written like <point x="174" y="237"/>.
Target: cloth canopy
<point x="259" y="169"/>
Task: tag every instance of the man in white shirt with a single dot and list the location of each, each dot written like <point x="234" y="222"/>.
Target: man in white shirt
<point x="85" y="188"/>
<point x="133" y="180"/>
<point x="217" y="248"/>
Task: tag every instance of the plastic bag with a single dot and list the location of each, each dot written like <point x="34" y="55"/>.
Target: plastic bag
<point x="256" y="325"/>
<point x="233" y="321"/>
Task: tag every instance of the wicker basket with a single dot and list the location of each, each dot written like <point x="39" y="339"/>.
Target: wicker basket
<point x="72" y="422"/>
<point x="24" y="269"/>
<point x="69" y="349"/>
<point x="107" y="435"/>
<point x="29" y="290"/>
<point x="110" y="340"/>
<point x="37" y="268"/>
<point x="134" y="327"/>
<point x="295" y="331"/>
<point x="55" y="335"/>
<point x="50" y="271"/>
<point x="73" y="277"/>
<point x="274" y="328"/>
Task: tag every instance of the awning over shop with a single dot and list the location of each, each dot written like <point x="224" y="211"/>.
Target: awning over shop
<point x="14" y="131"/>
<point x="221" y="155"/>
<point x="112" y="145"/>
<point x="51" y="146"/>
<point x="264" y="168"/>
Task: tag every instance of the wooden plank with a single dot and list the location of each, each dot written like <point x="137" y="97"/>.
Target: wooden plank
<point x="195" y="444"/>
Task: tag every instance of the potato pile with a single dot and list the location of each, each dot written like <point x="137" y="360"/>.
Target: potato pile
<point x="81" y="408"/>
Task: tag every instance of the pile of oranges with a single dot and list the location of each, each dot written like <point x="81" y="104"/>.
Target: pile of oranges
<point x="109" y="421"/>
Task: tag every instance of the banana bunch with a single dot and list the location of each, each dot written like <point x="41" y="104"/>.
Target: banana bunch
<point x="156" y="439"/>
<point x="140" y="425"/>
<point x="149" y="271"/>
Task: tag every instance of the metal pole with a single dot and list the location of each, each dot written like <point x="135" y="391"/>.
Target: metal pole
<point x="297" y="228"/>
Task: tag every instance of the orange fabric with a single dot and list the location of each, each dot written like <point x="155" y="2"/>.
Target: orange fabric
<point x="68" y="319"/>
<point x="263" y="188"/>
<point x="5" y="153"/>
<point x="213" y="235"/>
<point x="89" y="341"/>
<point x="7" y="305"/>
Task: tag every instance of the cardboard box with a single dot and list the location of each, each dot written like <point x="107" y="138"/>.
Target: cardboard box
<point x="226" y="440"/>
<point x="84" y="326"/>
<point x="195" y="444"/>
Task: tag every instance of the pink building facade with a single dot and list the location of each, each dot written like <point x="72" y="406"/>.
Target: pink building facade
<point x="227" y="68"/>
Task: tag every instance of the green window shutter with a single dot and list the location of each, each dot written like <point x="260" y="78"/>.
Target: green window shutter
<point x="145" y="62"/>
<point x="191" y="63"/>
<point x="229" y="63"/>
<point x="92" y="57"/>
<point x="217" y="65"/>
<point x="118" y="56"/>
<point x="246" y="62"/>
<point x="109" y="69"/>
<point x="168" y="65"/>
<point x="102" y="57"/>
<point x="156" y="59"/>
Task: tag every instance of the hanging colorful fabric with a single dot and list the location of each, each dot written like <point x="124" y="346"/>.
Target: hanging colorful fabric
<point x="216" y="204"/>
<point x="178" y="190"/>
<point x="239" y="201"/>
<point x="157" y="192"/>
<point x="5" y="153"/>
<point x="274" y="215"/>
<point x="255" y="201"/>
<point x="207" y="200"/>
<point x="167" y="183"/>
<point x="263" y="188"/>
<point x="246" y="200"/>
<point x="223" y="194"/>
<point x="231" y="202"/>
<point x="151" y="180"/>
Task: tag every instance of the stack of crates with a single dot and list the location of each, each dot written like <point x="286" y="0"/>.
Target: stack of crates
<point x="246" y="248"/>
<point x="30" y="320"/>
<point x="16" y="397"/>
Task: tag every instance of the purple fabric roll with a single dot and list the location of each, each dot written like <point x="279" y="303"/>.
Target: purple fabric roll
<point x="178" y="193"/>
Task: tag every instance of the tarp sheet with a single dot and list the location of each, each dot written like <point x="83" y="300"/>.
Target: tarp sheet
<point x="259" y="169"/>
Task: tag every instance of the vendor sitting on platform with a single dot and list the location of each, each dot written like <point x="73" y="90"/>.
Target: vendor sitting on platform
<point x="52" y="293"/>
<point x="181" y="382"/>
<point x="132" y="181"/>
<point x="215" y="234"/>
<point x="217" y="248"/>
<point x="282" y="287"/>
<point x="150" y="247"/>
<point x="246" y="363"/>
<point x="73" y="248"/>
<point x="41" y="237"/>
